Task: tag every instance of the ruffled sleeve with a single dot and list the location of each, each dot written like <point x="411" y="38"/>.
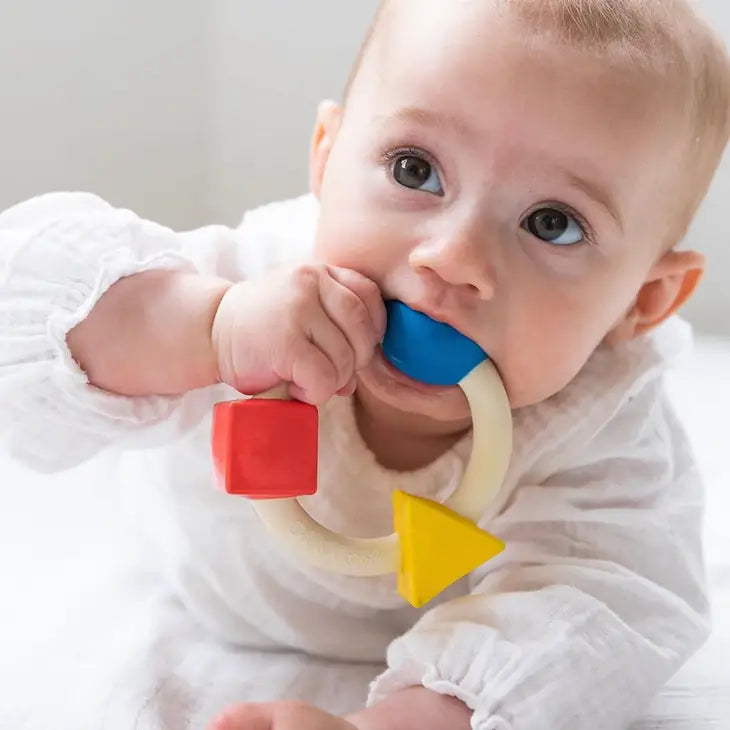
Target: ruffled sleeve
<point x="59" y="253"/>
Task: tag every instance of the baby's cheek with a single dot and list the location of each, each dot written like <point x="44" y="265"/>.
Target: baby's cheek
<point x="325" y="249"/>
<point x="338" y="242"/>
<point x="544" y="367"/>
<point x="553" y="334"/>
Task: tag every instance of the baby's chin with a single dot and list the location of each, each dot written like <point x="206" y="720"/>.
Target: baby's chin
<point x="388" y="394"/>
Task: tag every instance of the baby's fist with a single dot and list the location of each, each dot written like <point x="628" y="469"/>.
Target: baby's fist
<point x="312" y="326"/>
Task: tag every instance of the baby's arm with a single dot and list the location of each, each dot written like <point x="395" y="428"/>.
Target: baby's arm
<point x="164" y="333"/>
<point x="149" y="315"/>
<point x="59" y="254"/>
<point x="150" y="334"/>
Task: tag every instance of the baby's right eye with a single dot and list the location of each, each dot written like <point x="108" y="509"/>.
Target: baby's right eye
<point x="415" y="172"/>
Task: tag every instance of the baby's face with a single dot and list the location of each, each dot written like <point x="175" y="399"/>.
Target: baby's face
<point x="520" y="195"/>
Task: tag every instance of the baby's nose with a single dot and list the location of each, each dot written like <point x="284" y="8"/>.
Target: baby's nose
<point x="458" y="263"/>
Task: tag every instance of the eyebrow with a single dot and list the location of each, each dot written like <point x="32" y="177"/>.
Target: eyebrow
<point x="453" y="123"/>
<point x="596" y="192"/>
<point x="426" y="118"/>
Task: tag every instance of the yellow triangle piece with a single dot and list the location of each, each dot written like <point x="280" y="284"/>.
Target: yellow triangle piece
<point x="437" y="547"/>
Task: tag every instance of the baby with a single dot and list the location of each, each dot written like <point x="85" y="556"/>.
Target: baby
<point x="520" y="169"/>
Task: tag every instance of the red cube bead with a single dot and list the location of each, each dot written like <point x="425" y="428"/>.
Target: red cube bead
<point x="266" y="449"/>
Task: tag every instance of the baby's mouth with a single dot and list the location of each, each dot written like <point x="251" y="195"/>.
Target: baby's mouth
<point x="382" y="367"/>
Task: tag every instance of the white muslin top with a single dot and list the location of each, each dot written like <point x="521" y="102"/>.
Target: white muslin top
<point x="597" y="600"/>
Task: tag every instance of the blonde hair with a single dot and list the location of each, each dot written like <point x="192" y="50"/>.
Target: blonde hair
<point x="665" y="38"/>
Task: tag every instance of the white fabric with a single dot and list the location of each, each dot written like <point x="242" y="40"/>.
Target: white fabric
<point x="89" y="639"/>
<point x="597" y="601"/>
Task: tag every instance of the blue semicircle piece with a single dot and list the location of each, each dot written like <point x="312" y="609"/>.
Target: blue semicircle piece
<point x="426" y="350"/>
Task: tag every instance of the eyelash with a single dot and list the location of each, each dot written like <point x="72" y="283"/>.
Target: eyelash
<point x="583" y="224"/>
<point x="387" y="159"/>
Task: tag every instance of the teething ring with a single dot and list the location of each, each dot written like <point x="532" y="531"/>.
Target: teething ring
<point x="433" y="545"/>
<point x="299" y="533"/>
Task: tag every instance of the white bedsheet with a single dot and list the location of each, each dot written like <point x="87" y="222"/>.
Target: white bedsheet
<point x="87" y="642"/>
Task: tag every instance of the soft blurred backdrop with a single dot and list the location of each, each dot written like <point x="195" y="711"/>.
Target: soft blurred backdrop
<point x="191" y="112"/>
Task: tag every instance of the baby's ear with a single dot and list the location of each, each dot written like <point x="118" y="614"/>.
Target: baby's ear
<point x="329" y="116"/>
<point x="670" y="283"/>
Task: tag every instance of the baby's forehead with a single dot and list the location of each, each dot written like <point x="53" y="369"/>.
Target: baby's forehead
<point x="430" y="39"/>
<point x="437" y="44"/>
<point x="638" y="32"/>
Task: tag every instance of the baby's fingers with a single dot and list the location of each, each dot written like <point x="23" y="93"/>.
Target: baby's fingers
<point x="277" y="716"/>
<point x="313" y="377"/>
<point x="322" y="361"/>
<point x="353" y="303"/>
<point x="368" y="292"/>
<point x="248" y="716"/>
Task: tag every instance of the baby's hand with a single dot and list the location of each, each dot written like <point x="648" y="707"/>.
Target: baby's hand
<point x="277" y="716"/>
<point x="313" y="327"/>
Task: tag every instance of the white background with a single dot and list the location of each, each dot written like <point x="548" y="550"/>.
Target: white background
<point x="191" y="112"/>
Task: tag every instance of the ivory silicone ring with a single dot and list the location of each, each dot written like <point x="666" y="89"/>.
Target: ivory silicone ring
<point x="304" y="537"/>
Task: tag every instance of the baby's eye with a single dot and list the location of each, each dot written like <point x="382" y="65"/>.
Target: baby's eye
<point x="554" y="226"/>
<point x="418" y="174"/>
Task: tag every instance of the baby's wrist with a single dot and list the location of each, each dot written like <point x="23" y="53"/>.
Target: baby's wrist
<point x="216" y="291"/>
<point x="221" y="337"/>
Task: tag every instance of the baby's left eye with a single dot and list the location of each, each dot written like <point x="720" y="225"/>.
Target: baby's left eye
<point x="554" y="226"/>
<point x="416" y="173"/>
